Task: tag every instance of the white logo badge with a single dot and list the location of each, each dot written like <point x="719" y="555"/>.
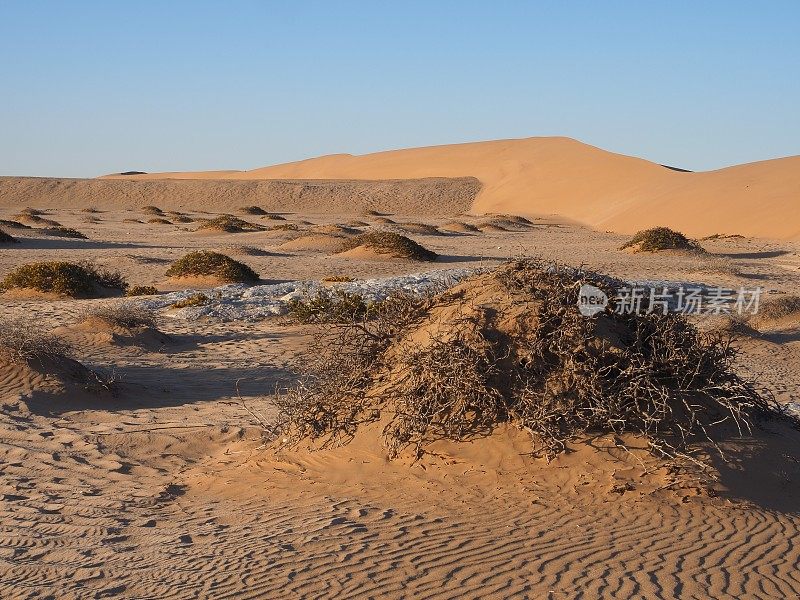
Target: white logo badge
<point x="591" y="300"/>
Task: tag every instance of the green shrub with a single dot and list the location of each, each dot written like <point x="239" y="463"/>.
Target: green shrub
<point x="142" y="290"/>
<point x="204" y="263"/>
<point x="384" y="242"/>
<point x="661" y="238"/>
<point x="199" y="299"/>
<point x="60" y="277"/>
<point x="229" y="224"/>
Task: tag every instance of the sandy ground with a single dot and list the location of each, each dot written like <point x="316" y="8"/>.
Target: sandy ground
<point x="165" y="492"/>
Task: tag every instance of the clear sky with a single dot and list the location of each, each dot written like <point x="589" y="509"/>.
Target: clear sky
<point x="88" y="88"/>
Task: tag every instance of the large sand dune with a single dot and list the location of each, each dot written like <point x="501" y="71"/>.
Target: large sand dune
<point x="562" y="176"/>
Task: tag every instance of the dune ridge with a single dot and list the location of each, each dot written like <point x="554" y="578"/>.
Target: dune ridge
<point x="558" y="175"/>
<point x="532" y="176"/>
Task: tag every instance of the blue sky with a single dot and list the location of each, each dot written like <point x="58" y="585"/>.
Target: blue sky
<point x="94" y="87"/>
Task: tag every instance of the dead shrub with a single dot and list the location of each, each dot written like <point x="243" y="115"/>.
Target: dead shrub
<point x="127" y="315"/>
<point x="511" y="346"/>
<point x="64" y="232"/>
<point x="21" y="342"/>
<point x="328" y="306"/>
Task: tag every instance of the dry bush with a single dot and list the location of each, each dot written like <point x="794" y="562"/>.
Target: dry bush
<point x="198" y="299"/>
<point x="127" y="315"/>
<point x="274" y="217"/>
<point x="229" y="224"/>
<point x="132" y="221"/>
<point x="65" y="232"/>
<point x="660" y="238"/>
<point x="384" y="242"/>
<point x="159" y="221"/>
<point x="142" y="290"/>
<point x="337" y="279"/>
<point x="284" y="227"/>
<point x="90" y="209"/>
<point x="183" y="219"/>
<point x="204" y="263"/>
<point x="80" y="279"/>
<point x="779" y="308"/>
<point x="152" y="210"/>
<point x="6" y="238"/>
<point x="252" y="210"/>
<point x="35" y="219"/>
<point x="21" y="342"/>
<point x="328" y="306"/>
<point x="13" y="224"/>
<point x="511" y="346"/>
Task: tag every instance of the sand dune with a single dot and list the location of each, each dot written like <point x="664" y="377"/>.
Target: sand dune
<point x="557" y="175"/>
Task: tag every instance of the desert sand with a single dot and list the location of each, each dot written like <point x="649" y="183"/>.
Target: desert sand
<point x="168" y="488"/>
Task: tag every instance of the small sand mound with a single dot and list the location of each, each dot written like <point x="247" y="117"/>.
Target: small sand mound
<point x="6" y="238"/>
<point x="354" y="223"/>
<point x="660" y="238"/>
<point x="780" y="313"/>
<point x="510" y="346"/>
<point x="13" y="224"/>
<point x="502" y="223"/>
<point x="36" y="220"/>
<point x="381" y="244"/>
<point x="459" y="227"/>
<point x="105" y="328"/>
<point x="315" y="242"/>
<point x="238" y="250"/>
<point x="159" y="221"/>
<point x="252" y="210"/>
<point x="383" y="221"/>
<point x="64" y="232"/>
<point x="36" y="365"/>
<point x="419" y="228"/>
<point x="335" y="229"/>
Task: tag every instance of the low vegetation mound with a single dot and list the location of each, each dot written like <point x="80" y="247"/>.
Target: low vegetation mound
<point x="125" y="315"/>
<point x="660" y="238"/>
<point x="198" y="299"/>
<point x="510" y="346"/>
<point x="159" y="221"/>
<point x="205" y="263"/>
<point x="142" y="290"/>
<point x="152" y="210"/>
<point x="13" y="224"/>
<point x="228" y="224"/>
<point x="77" y="280"/>
<point x="64" y="232"/>
<point x="778" y="310"/>
<point x="391" y="244"/>
<point x="35" y="219"/>
<point x="5" y="238"/>
<point x="253" y="210"/>
<point x="45" y="362"/>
